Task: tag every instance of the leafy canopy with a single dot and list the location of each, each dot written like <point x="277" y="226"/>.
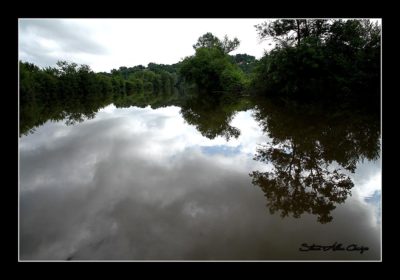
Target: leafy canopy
<point x="208" y="40"/>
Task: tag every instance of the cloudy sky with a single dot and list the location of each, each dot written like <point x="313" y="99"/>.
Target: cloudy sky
<point x="105" y="44"/>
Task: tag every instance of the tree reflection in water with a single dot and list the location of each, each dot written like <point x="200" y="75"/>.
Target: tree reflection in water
<point x="311" y="150"/>
<point x="211" y="113"/>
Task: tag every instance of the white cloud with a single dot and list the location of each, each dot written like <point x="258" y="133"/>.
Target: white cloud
<point x="371" y="185"/>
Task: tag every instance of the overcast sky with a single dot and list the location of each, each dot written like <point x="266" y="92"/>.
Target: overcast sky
<point x="105" y="44"/>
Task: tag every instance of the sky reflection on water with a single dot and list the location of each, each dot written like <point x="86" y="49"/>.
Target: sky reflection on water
<point x="142" y="184"/>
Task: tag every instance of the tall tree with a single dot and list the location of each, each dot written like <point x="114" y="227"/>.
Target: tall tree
<point x="321" y="60"/>
<point x="208" y="40"/>
<point x="289" y="31"/>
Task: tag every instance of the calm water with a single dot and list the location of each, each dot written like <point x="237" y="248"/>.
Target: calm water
<point x="197" y="180"/>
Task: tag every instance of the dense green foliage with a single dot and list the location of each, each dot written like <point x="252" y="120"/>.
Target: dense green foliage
<point x="287" y="32"/>
<point x="245" y="62"/>
<point x="332" y="61"/>
<point x="155" y="78"/>
<point x="208" y="40"/>
<point x="71" y="79"/>
<point x="211" y="68"/>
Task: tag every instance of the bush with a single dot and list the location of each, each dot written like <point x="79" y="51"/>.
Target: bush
<point x="212" y="70"/>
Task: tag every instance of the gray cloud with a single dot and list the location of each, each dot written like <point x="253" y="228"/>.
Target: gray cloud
<point x="92" y="193"/>
<point x="69" y="39"/>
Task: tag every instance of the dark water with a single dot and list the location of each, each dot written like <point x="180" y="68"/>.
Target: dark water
<point x="161" y="177"/>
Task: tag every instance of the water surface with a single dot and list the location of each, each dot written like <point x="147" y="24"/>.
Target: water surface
<point x="231" y="179"/>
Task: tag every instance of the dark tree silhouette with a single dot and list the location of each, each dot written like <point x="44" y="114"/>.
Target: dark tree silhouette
<point x="312" y="151"/>
<point x="211" y="114"/>
<point x="300" y="182"/>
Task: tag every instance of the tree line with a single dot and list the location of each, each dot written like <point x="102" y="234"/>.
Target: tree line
<point x="313" y="60"/>
<point x="333" y="61"/>
<point x="72" y="79"/>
